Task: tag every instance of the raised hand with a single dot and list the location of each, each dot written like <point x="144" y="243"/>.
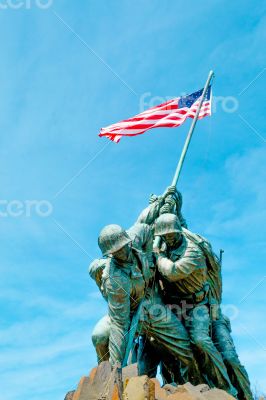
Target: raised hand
<point x="152" y="198"/>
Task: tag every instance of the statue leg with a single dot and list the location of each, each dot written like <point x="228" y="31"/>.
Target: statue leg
<point x="197" y="322"/>
<point x="151" y="355"/>
<point x="167" y="331"/>
<point x="171" y="373"/>
<point x="148" y="358"/>
<point x="224" y="342"/>
<point x="100" y="338"/>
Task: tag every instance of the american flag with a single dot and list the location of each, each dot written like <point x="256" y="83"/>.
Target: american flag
<point x="167" y="115"/>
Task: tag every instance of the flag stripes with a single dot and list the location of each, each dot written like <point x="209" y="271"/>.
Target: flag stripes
<point x="165" y="115"/>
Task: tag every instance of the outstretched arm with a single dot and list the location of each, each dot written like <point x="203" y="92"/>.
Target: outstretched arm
<point x="171" y="202"/>
<point x="152" y="212"/>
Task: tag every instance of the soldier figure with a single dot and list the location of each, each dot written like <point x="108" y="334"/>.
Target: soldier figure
<point x="184" y="279"/>
<point x="220" y="324"/>
<point x="128" y="282"/>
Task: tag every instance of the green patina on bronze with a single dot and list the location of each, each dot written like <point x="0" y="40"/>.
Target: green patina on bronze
<point x="139" y="285"/>
<point x="128" y="280"/>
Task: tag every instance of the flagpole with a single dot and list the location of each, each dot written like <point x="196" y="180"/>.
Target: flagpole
<point x="191" y="130"/>
<point x="180" y="164"/>
<point x="157" y="239"/>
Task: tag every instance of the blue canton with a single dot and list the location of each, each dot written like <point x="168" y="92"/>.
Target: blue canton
<point x="189" y="100"/>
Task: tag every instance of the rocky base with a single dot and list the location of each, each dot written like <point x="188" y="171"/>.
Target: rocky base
<point x="105" y="384"/>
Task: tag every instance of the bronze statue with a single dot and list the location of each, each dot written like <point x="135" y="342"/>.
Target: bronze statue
<point x="146" y="289"/>
<point x="220" y="325"/>
<point x="128" y="283"/>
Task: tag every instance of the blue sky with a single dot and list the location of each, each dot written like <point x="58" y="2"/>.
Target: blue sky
<point x="67" y="70"/>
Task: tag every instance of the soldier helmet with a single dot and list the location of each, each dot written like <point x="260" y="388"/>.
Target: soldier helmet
<point x="167" y="223"/>
<point x="112" y="238"/>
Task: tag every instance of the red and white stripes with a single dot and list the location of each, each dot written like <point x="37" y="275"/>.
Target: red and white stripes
<point x="166" y="115"/>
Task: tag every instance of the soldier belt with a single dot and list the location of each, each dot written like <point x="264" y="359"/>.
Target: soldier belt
<point x="194" y="298"/>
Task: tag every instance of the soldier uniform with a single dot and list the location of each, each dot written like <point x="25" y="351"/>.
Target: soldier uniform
<point x="129" y="283"/>
<point x="184" y="280"/>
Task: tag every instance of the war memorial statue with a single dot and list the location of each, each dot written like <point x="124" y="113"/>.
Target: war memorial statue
<point x="163" y="288"/>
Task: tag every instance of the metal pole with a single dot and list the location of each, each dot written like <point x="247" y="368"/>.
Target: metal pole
<point x="157" y="240"/>
<point x="221" y="256"/>
<point x="191" y="130"/>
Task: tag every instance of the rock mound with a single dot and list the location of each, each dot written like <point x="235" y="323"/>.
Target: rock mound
<point x="105" y="384"/>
